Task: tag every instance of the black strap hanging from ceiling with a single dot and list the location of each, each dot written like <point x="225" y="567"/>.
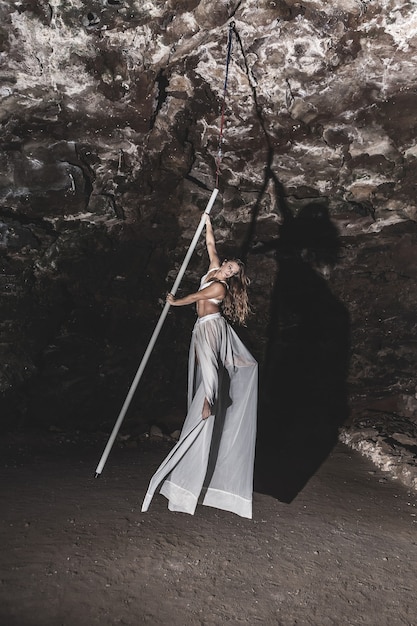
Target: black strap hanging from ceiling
<point x="223" y="108"/>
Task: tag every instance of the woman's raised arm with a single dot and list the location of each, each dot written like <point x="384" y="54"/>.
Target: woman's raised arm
<point x="211" y="244"/>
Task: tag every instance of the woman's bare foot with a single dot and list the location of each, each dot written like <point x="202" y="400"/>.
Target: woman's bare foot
<point x="206" y="410"/>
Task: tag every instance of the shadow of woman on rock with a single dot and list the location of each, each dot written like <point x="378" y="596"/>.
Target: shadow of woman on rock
<point x="303" y="397"/>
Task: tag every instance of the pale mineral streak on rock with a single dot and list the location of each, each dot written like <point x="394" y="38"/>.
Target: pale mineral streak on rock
<point x="46" y="56"/>
<point x="396" y="464"/>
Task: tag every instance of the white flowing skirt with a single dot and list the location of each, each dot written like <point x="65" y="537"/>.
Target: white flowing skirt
<point x="214" y="458"/>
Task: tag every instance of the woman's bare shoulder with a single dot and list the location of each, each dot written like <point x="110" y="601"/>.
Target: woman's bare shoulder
<point x="214" y="265"/>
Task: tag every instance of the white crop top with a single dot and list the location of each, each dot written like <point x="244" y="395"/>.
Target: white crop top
<point x="204" y="285"/>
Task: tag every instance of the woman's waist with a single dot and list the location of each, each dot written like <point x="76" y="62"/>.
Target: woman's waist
<point x="210" y="316"/>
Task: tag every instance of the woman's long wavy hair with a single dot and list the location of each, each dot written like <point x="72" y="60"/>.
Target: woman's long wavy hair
<point x="235" y="306"/>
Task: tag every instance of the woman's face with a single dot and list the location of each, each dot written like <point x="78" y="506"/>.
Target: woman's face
<point x="230" y="268"/>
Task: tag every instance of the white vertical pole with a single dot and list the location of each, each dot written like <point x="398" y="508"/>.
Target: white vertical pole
<point x="154" y="337"/>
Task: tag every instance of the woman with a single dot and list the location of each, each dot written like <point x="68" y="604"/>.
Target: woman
<point x="214" y="456"/>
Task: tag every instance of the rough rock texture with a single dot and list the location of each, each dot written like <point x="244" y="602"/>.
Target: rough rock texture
<point x="110" y="113"/>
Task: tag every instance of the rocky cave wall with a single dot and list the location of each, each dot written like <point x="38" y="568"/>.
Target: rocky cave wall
<point x="110" y="113"/>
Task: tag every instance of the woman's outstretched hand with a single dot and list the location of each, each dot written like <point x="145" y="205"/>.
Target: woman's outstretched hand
<point x="170" y="299"/>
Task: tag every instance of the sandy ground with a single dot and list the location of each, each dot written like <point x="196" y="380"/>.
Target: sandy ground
<point x="77" y="551"/>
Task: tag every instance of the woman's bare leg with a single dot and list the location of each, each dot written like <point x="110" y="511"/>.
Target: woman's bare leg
<point x="206" y="410"/>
